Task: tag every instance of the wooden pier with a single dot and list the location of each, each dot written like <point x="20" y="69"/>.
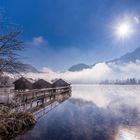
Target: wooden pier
<point x="32" y="100"/>
<point x="26" y="103"/>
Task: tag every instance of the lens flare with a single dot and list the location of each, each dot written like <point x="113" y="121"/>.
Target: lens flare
<point x="124" y="30"/>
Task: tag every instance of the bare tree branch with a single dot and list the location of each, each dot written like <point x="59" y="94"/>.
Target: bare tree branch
<point x="10" y="45"/>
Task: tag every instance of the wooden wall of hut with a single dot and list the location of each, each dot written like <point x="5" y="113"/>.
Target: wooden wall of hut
<point x="23" y="84"/>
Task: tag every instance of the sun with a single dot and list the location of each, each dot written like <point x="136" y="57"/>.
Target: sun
<point x="124" y="30"/>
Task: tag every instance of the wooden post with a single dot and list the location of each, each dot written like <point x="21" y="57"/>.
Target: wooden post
<point x="31" y="104"/>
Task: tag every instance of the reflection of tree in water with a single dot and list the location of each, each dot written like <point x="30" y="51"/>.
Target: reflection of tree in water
<point x="80" y="120"/>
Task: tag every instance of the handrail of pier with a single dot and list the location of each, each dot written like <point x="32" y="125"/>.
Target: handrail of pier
<point x="39" y="90"/>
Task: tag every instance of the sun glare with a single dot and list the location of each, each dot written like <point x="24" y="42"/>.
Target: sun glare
<point x="127" y="134"/>
<point x="124" y="30"/>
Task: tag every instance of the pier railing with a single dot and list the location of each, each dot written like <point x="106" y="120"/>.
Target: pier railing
<point x="29" y="100"/>
<point x="36" y="94"/>
<point x="32" y="100"/>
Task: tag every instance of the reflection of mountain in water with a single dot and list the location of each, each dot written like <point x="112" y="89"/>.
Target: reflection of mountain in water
<point x="83" y="120"/>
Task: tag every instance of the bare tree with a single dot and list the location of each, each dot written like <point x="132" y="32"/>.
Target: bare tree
<point x="10" y="45"/>
<point x="5" y="80"/>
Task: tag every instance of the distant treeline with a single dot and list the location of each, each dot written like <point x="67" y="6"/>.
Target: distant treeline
<point x="128" y="81"/>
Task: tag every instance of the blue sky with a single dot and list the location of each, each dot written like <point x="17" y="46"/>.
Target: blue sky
<point x="60" y="33"/>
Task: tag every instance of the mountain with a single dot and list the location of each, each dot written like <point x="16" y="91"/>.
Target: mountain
<point x="28" y="68"/>
<point x="25" y="68"/>
<point x="78" y="67"/>
<point x="128" y="57"/>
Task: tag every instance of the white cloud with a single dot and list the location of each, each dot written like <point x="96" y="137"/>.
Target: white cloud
<point x="46" y="70"/>
<point x="136" y="19"/>
<point x="38" y="41"/>
<point x="97" y="73"/>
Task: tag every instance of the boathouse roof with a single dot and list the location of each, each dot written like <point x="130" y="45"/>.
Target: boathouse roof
<point x="41" y="84"/>
<point x="22" y="84"/>
<point x="60" y="83"/>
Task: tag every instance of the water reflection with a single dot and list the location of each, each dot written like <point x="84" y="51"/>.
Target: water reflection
<point x="93" y="113"/>
<point x="127" y="134"/>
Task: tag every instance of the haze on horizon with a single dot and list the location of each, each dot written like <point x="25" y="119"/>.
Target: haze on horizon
<point x="58" y="34"/>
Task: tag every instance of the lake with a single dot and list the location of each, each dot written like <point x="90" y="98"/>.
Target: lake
<point x="94" y="112"/>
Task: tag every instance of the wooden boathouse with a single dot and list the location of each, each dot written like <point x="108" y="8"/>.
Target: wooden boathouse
<point x="40" y="91"/>
<point x="60" y="83"/>
<point x="22" y="84"/>
<point x="40" y="84"/>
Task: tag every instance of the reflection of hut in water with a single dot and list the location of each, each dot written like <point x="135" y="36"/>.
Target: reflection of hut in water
<point x="40" y="84"/>
<point x="23" y="84"/>
<point x="60" y="83"/>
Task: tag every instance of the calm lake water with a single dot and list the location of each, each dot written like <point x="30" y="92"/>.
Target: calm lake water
<point x="94" y="112"/>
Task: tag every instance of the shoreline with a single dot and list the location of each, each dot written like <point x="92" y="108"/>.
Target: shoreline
<point x="12" y="123"/>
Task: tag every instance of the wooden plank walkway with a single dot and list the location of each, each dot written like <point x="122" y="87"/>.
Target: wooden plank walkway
<point x="33" y="100"/>
<point x="25" y="96"/>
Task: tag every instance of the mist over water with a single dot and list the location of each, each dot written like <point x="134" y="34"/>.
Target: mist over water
<point x="94" y="112"/>
<point x="105" y="72"/>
